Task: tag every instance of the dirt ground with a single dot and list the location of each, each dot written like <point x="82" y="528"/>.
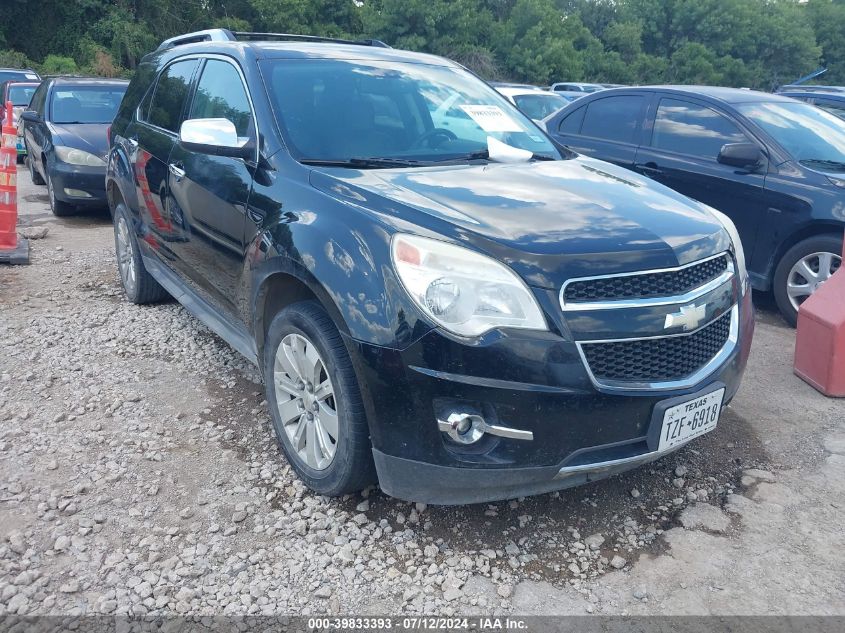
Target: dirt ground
<point x="138" y="475"/>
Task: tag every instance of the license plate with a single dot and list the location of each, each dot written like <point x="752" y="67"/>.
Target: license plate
<point x="688" y="420"/>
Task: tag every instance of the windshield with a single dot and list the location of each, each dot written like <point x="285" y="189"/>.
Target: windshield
<point x="21" y="95"/>
<point x="17" y="75"/>
<point x="811" y="135"/>
<point x="338" y="110"/>
<point x="86" y="104"/>
<point x="541" y="105"/>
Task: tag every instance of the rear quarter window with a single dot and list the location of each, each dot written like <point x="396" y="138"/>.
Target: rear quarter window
<point x="571" y="123"/>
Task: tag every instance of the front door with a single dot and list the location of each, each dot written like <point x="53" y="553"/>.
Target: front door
<point x="210" y="192"/>
<point x="682" y="154"/>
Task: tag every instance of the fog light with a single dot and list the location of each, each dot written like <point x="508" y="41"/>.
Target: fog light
<point x="77" y="193"/>
<point x="464" y="428"/>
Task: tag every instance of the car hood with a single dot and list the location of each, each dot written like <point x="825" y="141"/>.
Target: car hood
<point x="90" y="137"/>
<point x="549" y="220"/>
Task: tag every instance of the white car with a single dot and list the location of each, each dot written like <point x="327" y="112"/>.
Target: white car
<point x="537" y="104"/>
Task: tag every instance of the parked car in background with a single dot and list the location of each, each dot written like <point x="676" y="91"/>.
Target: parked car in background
<point x="576" y="87"/>
<point x="18" y="74"/>
<point x="507" y="84"/>
<point x="774" y="165"/>
<point x="20" y="94"/>
<point x="827" y="98"/>
<point x="537" y="104"/>
<point x="465" y="314"/>
<point x="569" y="96"/>
<point x="66" y="135"/>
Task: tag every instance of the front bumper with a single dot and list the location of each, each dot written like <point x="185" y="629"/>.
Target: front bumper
<point x="534" y="382"/>
<point x="70" y="179"/>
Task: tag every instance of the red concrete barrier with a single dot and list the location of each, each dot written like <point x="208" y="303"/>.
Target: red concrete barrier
<point x="820" y="341"/>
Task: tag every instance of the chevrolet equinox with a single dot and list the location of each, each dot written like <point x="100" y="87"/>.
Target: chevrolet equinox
<point x="439" y="298"/>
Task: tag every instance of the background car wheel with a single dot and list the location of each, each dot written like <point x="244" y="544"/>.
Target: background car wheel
<point x="139" y="285"/>
<point x="803" y="268"/>
<point x="315" y="403"/>
<point x="33" y="172"/>
<point x="58" y="207"/>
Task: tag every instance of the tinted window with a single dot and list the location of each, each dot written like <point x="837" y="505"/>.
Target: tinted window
<point x="39" y="99"/>
<point x="21" y="95"/>
<point x="571" y="123"/>
<point x="613" y="118"/>
<point x="170" y="94"/>
<point x="85" y="104"/>
<point x="688" y="128"/>
<point x="221" y="95"/>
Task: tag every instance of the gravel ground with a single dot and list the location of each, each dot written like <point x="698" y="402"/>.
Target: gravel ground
<point x="139" y="475"/>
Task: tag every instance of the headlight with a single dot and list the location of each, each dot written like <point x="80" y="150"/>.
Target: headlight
<point x="463" y="291"/>
<point x="74" y="156"/>
<point x="739" y="253"/>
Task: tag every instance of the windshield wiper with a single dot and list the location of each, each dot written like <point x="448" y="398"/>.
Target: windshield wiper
<point x="824" y="163"/>
<point x="363" y="163"/>
<point x="484" y="154"/>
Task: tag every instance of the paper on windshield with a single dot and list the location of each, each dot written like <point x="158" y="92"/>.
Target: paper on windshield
<point x="491" y="118"/>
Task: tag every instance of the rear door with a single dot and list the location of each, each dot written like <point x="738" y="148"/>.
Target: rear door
<point x="210" y="192"/>
<point x="153" y="136"/>
<point x="680" y="150"/>
<point x="607" y="128"/>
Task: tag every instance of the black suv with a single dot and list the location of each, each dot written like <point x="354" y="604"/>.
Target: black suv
<point x="774" y="165"/>
<point x="437" y="296"/>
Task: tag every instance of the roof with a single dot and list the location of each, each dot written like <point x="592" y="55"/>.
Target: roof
<point x="726" y="95"/>
<point x="88" y="81"/>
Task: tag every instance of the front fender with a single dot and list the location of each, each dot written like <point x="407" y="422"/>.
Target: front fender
<point x="119" y="174"/>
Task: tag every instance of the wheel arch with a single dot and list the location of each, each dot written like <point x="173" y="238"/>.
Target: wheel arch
<point x="802" y="233"/>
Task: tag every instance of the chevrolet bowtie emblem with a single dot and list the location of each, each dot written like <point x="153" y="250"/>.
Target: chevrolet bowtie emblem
<point x="689" y="317"/>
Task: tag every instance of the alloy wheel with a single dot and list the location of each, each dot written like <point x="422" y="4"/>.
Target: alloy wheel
<point x="306" y="401"/>
<point x="125" y="255"/>
<point x="808" y="274"/>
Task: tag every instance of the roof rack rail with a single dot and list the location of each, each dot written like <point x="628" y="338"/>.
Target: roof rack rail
<point x="209" y="35"/>
<point x="246" y="35"/>
<point x="225" y="35"/>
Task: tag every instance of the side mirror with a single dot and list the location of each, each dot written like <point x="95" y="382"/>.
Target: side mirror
<point x="213" y="136"/>
<point x="30" y="116"/>
<point x="740" y="155"/>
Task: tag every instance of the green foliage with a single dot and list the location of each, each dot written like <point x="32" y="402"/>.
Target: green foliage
<point x="754" y="43"/>
<point x="58" y="65"/>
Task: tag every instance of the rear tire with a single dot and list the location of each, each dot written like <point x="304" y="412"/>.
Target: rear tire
<point x="818" y="257"/>
<point x="139" y="285"/>
<point x="33" y="172"/>
<point x="325" y="437"/>
<point x="60" y="209"/>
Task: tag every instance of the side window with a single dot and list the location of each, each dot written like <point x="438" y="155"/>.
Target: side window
<point x="571" y="124"/>
<point x="688" y="128"/>
<point x="836" y="108"/>
<point x="221" y="95"/>
<point x="172" y="88"/>
<point x="39" y="99"/>
<point x="613" y="118"/>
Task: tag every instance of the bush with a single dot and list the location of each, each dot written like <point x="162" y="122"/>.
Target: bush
<point x="58" y="65"/>
<point x="14" y="59"/>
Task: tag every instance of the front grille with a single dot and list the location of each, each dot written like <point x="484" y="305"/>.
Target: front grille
<point x="646" y="285"/>
<point x="659" y="359"/>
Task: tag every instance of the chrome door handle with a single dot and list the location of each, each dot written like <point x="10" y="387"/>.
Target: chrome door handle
<point x="177" y="171"/>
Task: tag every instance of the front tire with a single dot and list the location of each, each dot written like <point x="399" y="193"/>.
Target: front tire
<point x="59" y="208"/>
<point x="315" y="403"/>
<point x="139" y="285"/>
<point x="801" y="271"/>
